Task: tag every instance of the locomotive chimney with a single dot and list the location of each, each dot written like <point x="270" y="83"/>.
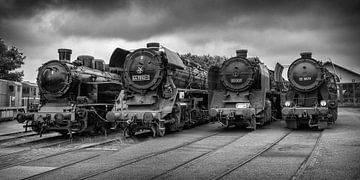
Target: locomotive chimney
<point x="241" y="53"/>
<point x="64" y="54"/>
<point x="153" y="45"/>
<point x="305" y="54"/>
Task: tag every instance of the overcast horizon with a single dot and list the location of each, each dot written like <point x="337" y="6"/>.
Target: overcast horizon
<point x="274" y="31"/>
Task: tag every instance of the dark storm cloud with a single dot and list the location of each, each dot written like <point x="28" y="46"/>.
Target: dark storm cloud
<point x="15" y="16"/>
<point x="22" y="8"/>
<point x="128" y="19"/>
<point x="274" y="30"/>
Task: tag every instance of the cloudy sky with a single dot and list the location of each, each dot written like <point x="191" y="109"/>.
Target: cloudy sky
<point x="275" y="31"/>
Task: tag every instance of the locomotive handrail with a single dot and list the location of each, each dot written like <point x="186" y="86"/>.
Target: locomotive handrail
<point x="227" y="73"/>
<point x="307" y="98"/>
<point x="14" y="107"/>
<point x="102" y="82"/>
<point x="192" y="90"/>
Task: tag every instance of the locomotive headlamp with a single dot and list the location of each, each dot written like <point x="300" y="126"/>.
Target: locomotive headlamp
<point x="323" y="103"/>
<point x="148" y="117"/>
<point x="332" y="104"/>
<point x="162" y="49"/>
<point x="59" y="117"/>
<point x="213" y="112"/>
<point x="287" y="103"/>
<point x="81" y="113"/>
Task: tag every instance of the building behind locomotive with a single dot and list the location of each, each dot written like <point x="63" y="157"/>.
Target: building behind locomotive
<point x="312" y="96"/>
<point x="74" y="95"/>
<point x="10" y="99"/>
<point x="241" y="92"/>
<point x="17" y="97"/>
<point x="30" y="96"/>
<point x="161" y="92"/>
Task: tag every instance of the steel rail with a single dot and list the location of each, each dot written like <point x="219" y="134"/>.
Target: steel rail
<point x="307" y="160"/>
<point x="197" y="157"/>
<point x="15" y="133"/>
<point x="60" y="167"/>
<point x="61" y="152"/>
<point x="146" y="156"/>
<point x="39" y="147"/>
<point x="231" y="169"/>
<point x="17" y="137"/>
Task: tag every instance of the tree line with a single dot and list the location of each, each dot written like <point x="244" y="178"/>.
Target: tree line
<point x="10" y="59"/>
<point x="205" y="61"/>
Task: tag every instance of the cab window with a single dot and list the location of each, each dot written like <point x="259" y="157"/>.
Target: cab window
<point x="11" y="88"/>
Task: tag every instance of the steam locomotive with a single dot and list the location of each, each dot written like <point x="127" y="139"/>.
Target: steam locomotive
<point x="75" y="96"/>
<point x="312" y="96"/>
<point x="243" y="92"/>
<point x="161" y="92"/>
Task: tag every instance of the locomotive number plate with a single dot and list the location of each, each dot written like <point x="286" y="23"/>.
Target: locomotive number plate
<point x="141" y="77"/>
<point x="242" y="105"/>
<point x="304" y="78"/>
<point x="236" y="80"/>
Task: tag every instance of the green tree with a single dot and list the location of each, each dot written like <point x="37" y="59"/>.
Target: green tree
<point x="205" y="61"/>
<point x="10" y="59"/>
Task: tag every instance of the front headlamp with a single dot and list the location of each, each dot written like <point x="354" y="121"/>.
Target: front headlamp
<point x="323" y="103"/>
<point x="287" y="103"/>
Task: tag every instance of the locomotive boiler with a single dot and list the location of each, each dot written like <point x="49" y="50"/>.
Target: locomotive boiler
<point x="75" y="96"/>
<point x="242" y="92"/>
<point x="312" y="96"/>
<point x="161" y="92"/>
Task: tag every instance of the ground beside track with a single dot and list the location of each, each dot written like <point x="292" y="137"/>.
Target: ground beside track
<point x="11" y="127"/>
<point x="338" y="155"/>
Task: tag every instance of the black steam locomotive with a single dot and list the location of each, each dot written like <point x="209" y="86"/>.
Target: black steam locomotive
<point x="161" y="92"/>
<point x="312" y="96"/>
<point x="75" y="96"/>
<point x="243" y="92"/>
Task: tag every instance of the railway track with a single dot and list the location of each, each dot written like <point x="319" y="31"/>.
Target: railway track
<point x="17" y="135"/>
<point x="187" y="146"/>
<point x="146" y="156"/>
<point x="194" y="149"/>
<point x="90" y="147"/>
<point x="72" y="147"/>
<point x="67" y="157"/>
<point x="306" y="162"/>
<point x="296" y="176"/>
<point x="231" y="169"/>
<point x="197" y="157"/>
<point x="61" y="151"/>
<point x="28" y="139"/>
<point x="27" y="149"/>
<point x="36" y="176"/>
<point x="13" y="154"/>
<point x="207" y="151"/>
